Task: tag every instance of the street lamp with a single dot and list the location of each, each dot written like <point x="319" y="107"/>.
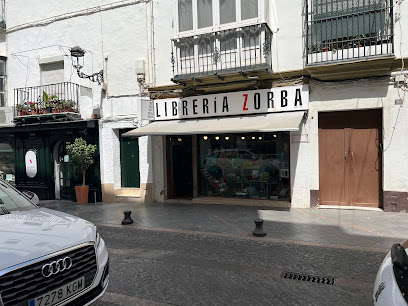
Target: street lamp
<point x="78" y="53"/>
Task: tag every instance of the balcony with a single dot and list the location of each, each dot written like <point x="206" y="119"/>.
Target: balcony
<point x="347" y="30"/>
<point x="55" y="102"/>
<point x="234" y="51"/>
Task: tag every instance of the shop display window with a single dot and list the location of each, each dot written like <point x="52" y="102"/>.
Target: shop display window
<point x="254" y="165"/>
<point x="7" y="163"/>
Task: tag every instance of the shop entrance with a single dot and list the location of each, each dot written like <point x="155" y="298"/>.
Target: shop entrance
<point x="62" y="172"/>
<point x="254" y="166"/>
<point x="179" y="159"/>
<point x="349" y="158"/>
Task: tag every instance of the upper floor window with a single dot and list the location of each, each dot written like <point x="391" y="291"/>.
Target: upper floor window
<point x="344" y="29"/>
<point x="52" y="73"/>
<point x="185" y="15"/>
<point x="249" y="9"/>
<point x="194" y="15"/>
<point x="205" y="17"/>
<point x="3" y="77"/>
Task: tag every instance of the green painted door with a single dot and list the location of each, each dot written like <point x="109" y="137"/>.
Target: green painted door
<point x="129" y="162"/>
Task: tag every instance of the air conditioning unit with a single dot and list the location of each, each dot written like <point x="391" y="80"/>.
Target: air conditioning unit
<point x="6" y="116"/>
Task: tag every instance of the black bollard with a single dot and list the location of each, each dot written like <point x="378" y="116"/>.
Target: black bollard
<point x="127" y="219"/>
<point x="259" y="232"/>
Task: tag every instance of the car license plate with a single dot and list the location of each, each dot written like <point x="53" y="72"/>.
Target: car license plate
<point x="57" y="295"/>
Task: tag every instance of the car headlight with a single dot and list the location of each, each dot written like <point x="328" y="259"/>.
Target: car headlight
<point x="98" y="237"/>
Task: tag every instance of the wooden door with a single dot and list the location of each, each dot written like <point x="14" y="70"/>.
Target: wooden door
<point x="364" y="166"/>
<point x="349" y="158"/>
<point x="129" y="162"/>
<point x="332" y="159"/>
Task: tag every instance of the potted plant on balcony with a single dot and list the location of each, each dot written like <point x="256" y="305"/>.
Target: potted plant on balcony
<point x="48" y="101"/>
<point x="64" y="106"/>
<point x="31" y="108"/>
<point x="81" y="157"/>
<point x="71" y="105"/>
<point x="19" y="109"/>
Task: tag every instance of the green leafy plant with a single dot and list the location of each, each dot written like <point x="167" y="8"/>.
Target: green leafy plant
<point x="358" y="40"/>
<point x="71" y="103"/>
<point x="47" y="98"/>
<point x="81" y="156"/>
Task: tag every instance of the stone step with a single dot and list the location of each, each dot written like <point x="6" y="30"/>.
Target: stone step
<point x="128" y="192"/>
<point x="127" y="199"/>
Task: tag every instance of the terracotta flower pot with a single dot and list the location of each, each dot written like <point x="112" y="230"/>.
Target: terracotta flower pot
<point x="82" y="194"/>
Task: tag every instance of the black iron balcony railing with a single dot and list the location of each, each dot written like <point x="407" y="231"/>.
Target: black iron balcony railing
<point x="343" y="30"/>
<point x="227" y="51"/>
<point x="46" y="99"/>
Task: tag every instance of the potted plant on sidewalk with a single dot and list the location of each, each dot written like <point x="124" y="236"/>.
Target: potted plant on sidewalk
<point x="81" y="157"/>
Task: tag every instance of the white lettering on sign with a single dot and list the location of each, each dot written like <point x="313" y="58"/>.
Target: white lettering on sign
<point x="31" y="163"/>
<point x="234" y="103"/>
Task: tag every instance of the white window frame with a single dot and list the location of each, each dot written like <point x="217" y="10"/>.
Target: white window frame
<point x="216" y="19"/>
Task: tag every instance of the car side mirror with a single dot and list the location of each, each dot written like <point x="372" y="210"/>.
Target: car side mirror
<point x="31" y="196"/>
<point x="399" y="257"/>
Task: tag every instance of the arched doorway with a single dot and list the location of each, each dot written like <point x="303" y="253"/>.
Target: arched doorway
<point x="7" y="171"/>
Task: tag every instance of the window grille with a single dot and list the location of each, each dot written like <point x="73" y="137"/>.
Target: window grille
<point x="346" y="29"/>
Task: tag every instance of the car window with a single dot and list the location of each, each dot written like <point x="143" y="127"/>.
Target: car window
<point x="12" y="201"/>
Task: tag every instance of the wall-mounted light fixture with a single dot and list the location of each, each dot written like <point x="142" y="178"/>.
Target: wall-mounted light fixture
<point x="78" y="53"/>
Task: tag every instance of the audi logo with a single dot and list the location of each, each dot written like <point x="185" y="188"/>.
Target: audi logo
<point x="55" y="267"/>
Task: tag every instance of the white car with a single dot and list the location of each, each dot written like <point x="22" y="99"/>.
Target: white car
<point x="47" y="257"/>
<point x="391" y="283"/>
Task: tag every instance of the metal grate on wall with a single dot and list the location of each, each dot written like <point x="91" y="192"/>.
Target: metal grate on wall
<point x="343" y="30"/>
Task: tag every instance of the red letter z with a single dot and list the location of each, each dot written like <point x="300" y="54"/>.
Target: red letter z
<point x="245" y="102"/>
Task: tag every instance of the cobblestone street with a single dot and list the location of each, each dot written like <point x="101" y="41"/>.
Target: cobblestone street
<point x="182" y="254"/>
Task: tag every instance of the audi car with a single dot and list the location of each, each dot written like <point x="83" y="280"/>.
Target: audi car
<point x="47" y="257"/>
<point x="391" y="283"/>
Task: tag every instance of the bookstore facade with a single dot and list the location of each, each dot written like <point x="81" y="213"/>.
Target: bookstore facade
<point x="229" y="145"/>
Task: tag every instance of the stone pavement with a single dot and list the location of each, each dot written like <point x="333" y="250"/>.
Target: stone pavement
<point x="373" y="229"/>
<point x="184" y="254"/>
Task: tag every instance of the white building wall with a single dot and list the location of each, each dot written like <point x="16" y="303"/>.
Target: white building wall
<point x="40" y="10"/>
<point x="114" y="40"/>
<point x="159" y="168"/>
<point x="300" y="167"/>
<point x="164" y="32"/>
<point x="114" y="35"/>
<point x="287" y="25"/>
